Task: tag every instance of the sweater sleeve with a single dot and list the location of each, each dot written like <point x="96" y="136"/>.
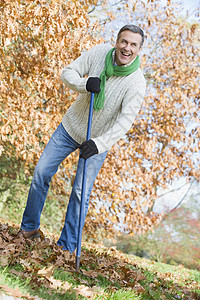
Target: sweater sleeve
<point x="73" y="74"/>
<point x="130" y="108"/>
<point x="87" y="64"/>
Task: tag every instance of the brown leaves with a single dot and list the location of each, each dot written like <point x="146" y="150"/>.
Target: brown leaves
<point x="159" y="147"/>
<point x="87" y="292"/>
<point x="15" y="292"/>
<point x="34" y="39"/>
<point x="40" y="259"/>
<point x="38" y="40"/>
<point x="34" y="254"/>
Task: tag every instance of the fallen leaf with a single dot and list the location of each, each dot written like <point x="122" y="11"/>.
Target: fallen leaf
<point x="15" y="292"/>
<point x="84" y="291"/>
<point x="4" y="261"/>
<point x="90" y="273"/>
<point x="139" y="289"/>
<point x="54" y="283"/>
<point x="24" y="263"/>
<point x="66" y="286"/>
<point x="35" y="254"/>
<point x="46" y="272"/>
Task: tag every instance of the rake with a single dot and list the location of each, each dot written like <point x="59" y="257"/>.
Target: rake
<point x="81" y="215"/>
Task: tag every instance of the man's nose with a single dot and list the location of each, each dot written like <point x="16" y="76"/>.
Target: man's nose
<point x="127" y="47"/>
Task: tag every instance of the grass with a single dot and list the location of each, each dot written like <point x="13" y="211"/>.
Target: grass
<point x="23" y="288"/>
<point x="28" y="289"/>
<point x="121" y="294"/>
<point x="116" y="276"/>
<point x="154" y="280"/>
<point x="53" y="212"/>
<point x="18" y="287"/>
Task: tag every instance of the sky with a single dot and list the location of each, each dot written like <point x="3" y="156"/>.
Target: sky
<point x="190" y="4"/>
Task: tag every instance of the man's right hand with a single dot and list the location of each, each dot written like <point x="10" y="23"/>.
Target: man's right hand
<point x="93" y="84"/>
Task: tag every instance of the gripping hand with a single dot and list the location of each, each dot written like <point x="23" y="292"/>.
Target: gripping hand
<point x="93" y="84"/>
<point x="88" y="148"/>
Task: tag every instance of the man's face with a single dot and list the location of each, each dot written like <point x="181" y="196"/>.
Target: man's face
<point x="127" y="47"/>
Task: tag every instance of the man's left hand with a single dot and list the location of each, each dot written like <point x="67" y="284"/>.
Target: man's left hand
<point x="88" y="148"/>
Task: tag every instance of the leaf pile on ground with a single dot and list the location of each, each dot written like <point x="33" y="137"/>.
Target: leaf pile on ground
<point x="40" y="260"/>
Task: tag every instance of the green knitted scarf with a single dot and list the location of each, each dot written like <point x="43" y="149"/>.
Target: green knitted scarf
<point x="109" y="71"/>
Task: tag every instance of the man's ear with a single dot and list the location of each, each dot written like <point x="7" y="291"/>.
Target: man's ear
<point x="116" y="43"/>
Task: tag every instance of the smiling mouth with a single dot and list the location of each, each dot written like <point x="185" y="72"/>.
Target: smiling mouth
<point x="125" y="54"/>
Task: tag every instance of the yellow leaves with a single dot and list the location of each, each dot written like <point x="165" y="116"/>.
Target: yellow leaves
<point x="1" y="150"/>
<point x="14" y="292"/>
<point x="10" y="26"/>
<point x="51" y="30"/>
<point x="5" y="130"/>
<point x="46" y="272"/>
<point x="33" y="102"/>
<point x="7" y="42"/>
<point x="58" y="284"/>
<point x="38" y="30"/>
<point x="39" y="39"/>
<point x="85" y="291"/>
<point x="38" y="10"/>
<point x="108" y="263"/>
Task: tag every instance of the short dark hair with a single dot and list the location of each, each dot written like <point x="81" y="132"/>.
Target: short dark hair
<point x="134" y="29"/>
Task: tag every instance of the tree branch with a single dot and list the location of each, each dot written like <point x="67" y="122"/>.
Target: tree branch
<point x="174" y="190"/>
<point x="182" y="198"/>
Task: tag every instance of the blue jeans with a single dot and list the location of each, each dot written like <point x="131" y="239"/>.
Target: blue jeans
<point x="58" y="148"/>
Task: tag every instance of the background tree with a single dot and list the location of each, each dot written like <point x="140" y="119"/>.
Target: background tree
<point x="37" y="40"/>
<point x="179" y="229"/>
<point x="163" y="144"/>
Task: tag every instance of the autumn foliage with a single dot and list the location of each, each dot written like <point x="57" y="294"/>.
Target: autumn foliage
<point x="38" y="39"/>
<point x="163" y="143"/>
<point x="104" y="271"/>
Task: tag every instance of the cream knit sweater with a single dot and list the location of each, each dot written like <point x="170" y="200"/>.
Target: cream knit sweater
<point x="123" y="100"/>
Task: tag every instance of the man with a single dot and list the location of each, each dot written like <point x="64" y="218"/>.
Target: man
<point x="115" y="77"/>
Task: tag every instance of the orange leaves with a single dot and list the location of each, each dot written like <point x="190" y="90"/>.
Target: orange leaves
<point x="38" y="40"/>
<point x="40" y="259"/>
<point x="35" y="37"/>
<point x="87" y="292"/>
<point x="44" y="264"/>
